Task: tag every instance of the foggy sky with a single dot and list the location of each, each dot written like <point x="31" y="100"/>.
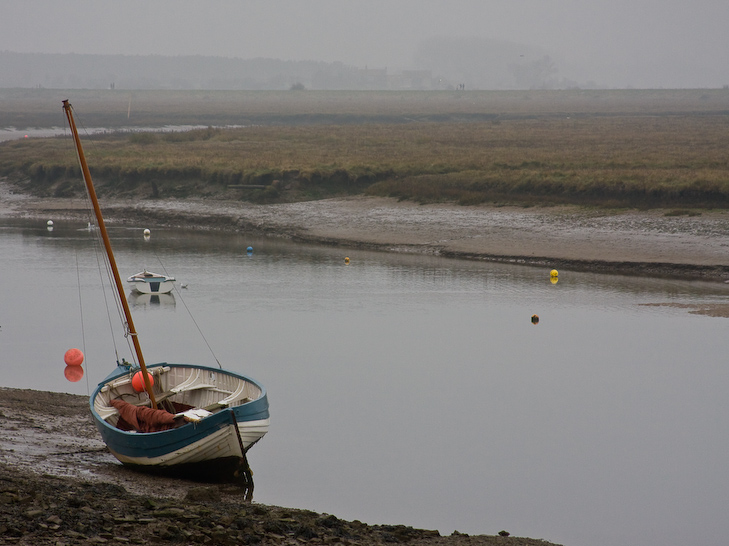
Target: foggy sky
<point x="614" y="43"/>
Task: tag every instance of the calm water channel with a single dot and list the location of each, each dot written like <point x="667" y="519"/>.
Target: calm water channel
<point x="415" y="390"/>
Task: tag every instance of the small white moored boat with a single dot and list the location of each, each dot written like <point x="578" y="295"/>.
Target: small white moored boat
<point x="147" y="282"/>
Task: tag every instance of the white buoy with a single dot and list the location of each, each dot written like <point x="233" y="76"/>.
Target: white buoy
<point x="49" y="223"/>
<point x="147" y="233"/>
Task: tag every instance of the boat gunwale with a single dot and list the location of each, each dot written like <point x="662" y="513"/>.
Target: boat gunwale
<point x="240" y="410"/>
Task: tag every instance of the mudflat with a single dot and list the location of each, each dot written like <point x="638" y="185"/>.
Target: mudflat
<point x="651" y="242"/>
<point x="59" y="485"/>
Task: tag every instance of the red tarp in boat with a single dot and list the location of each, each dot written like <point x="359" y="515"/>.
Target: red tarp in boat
<point x="144" y="419"/>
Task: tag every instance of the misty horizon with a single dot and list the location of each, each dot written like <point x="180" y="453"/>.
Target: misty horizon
<point x="606" y="44"/>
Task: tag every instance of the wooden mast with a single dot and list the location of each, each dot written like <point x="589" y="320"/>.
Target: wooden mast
<point x="107" y="245"/>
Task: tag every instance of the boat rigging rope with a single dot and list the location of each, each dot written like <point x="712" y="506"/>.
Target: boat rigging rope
<point x="190" y="313"/>
<point x="104" y="286"/>
<point x="83" y="330"/>
<point x="110" y="278"/>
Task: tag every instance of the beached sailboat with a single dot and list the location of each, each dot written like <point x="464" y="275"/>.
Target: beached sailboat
<point x="179" y="418"/>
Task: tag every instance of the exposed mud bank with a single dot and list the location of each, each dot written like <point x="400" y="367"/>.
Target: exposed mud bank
<point x="623" y="242"/>
<point x="59" y="485"/>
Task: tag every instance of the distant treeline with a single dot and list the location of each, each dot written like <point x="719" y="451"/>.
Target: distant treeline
<point x="73" y="71"/>
<point x="439" y="64"/>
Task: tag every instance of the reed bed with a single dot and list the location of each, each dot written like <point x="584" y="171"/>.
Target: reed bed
<point x="624" y="160"/>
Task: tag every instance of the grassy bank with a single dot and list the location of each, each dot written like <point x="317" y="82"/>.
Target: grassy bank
<point x="620" y="155"/>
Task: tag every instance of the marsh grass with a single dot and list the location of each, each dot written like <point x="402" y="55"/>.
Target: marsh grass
<point x="628" y="159"/>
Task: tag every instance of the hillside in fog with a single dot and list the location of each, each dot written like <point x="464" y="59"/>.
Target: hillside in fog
<point x="440" y="64"/>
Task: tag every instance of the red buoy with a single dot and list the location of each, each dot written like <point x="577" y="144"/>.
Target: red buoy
<point x="73" y="357"/>
<point x="138" y="381"/>
<point x="73" y="373"/>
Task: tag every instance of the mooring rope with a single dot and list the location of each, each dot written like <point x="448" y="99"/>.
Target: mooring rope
<point x="83" y="330"/>
<point x="177" y="291"/>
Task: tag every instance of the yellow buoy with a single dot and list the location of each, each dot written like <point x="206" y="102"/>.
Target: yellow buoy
<point x="346" y="260"/>
<point x="554" y="273"/>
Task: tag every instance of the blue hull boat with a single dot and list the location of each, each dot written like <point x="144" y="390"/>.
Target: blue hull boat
<point x="229" y="415"/>
<point x="183" y="419"/>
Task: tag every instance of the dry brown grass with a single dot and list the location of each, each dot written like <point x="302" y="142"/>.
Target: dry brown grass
<point x="639" y="157"/>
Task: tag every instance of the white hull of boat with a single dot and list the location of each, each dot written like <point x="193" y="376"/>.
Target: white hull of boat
<point x="220" y="445"/>
<point x="163" y="287"/>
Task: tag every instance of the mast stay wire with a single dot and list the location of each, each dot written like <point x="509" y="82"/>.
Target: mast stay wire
<point x="177" y="291"/>
<point x="107" y="266"/>
<point x="83" y="330"/>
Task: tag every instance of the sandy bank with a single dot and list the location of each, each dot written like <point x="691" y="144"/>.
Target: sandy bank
<point x="632" y="242"/>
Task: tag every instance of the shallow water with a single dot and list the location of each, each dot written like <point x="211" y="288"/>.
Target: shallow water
<point x="13" y="133"/>
<point x="415" y="390"/>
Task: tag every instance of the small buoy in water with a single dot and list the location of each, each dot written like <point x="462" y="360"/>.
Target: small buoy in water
<point x="346" y="260"/>
<point x="535" y="319"/>
<point x="138" y="381"/>
<point x="554" y="273"/>
<point x="73" y="357"/>
<point x="73" y="373"/>
<point x="147" y="233"/>
<point x="249" y="250"/>
<point x="49" y="223"/>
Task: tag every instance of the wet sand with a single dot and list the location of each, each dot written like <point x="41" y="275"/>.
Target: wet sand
<point x="624" y="242"/>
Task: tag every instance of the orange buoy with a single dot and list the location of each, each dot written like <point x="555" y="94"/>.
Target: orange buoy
<point x="73" y="373"/>
<point x="73" y="357"/>
<point x="138" y="381"/>
<point x="535" y="319"/>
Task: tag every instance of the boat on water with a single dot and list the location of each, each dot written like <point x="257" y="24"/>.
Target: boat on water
<point x="183" y="419"/>
<point x="147" y="282"/>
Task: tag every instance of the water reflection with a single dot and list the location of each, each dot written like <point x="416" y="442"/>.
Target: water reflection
<point x="426" y="371"/>
<point x="73" y="373"/>
<point x="139" y="300"/>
